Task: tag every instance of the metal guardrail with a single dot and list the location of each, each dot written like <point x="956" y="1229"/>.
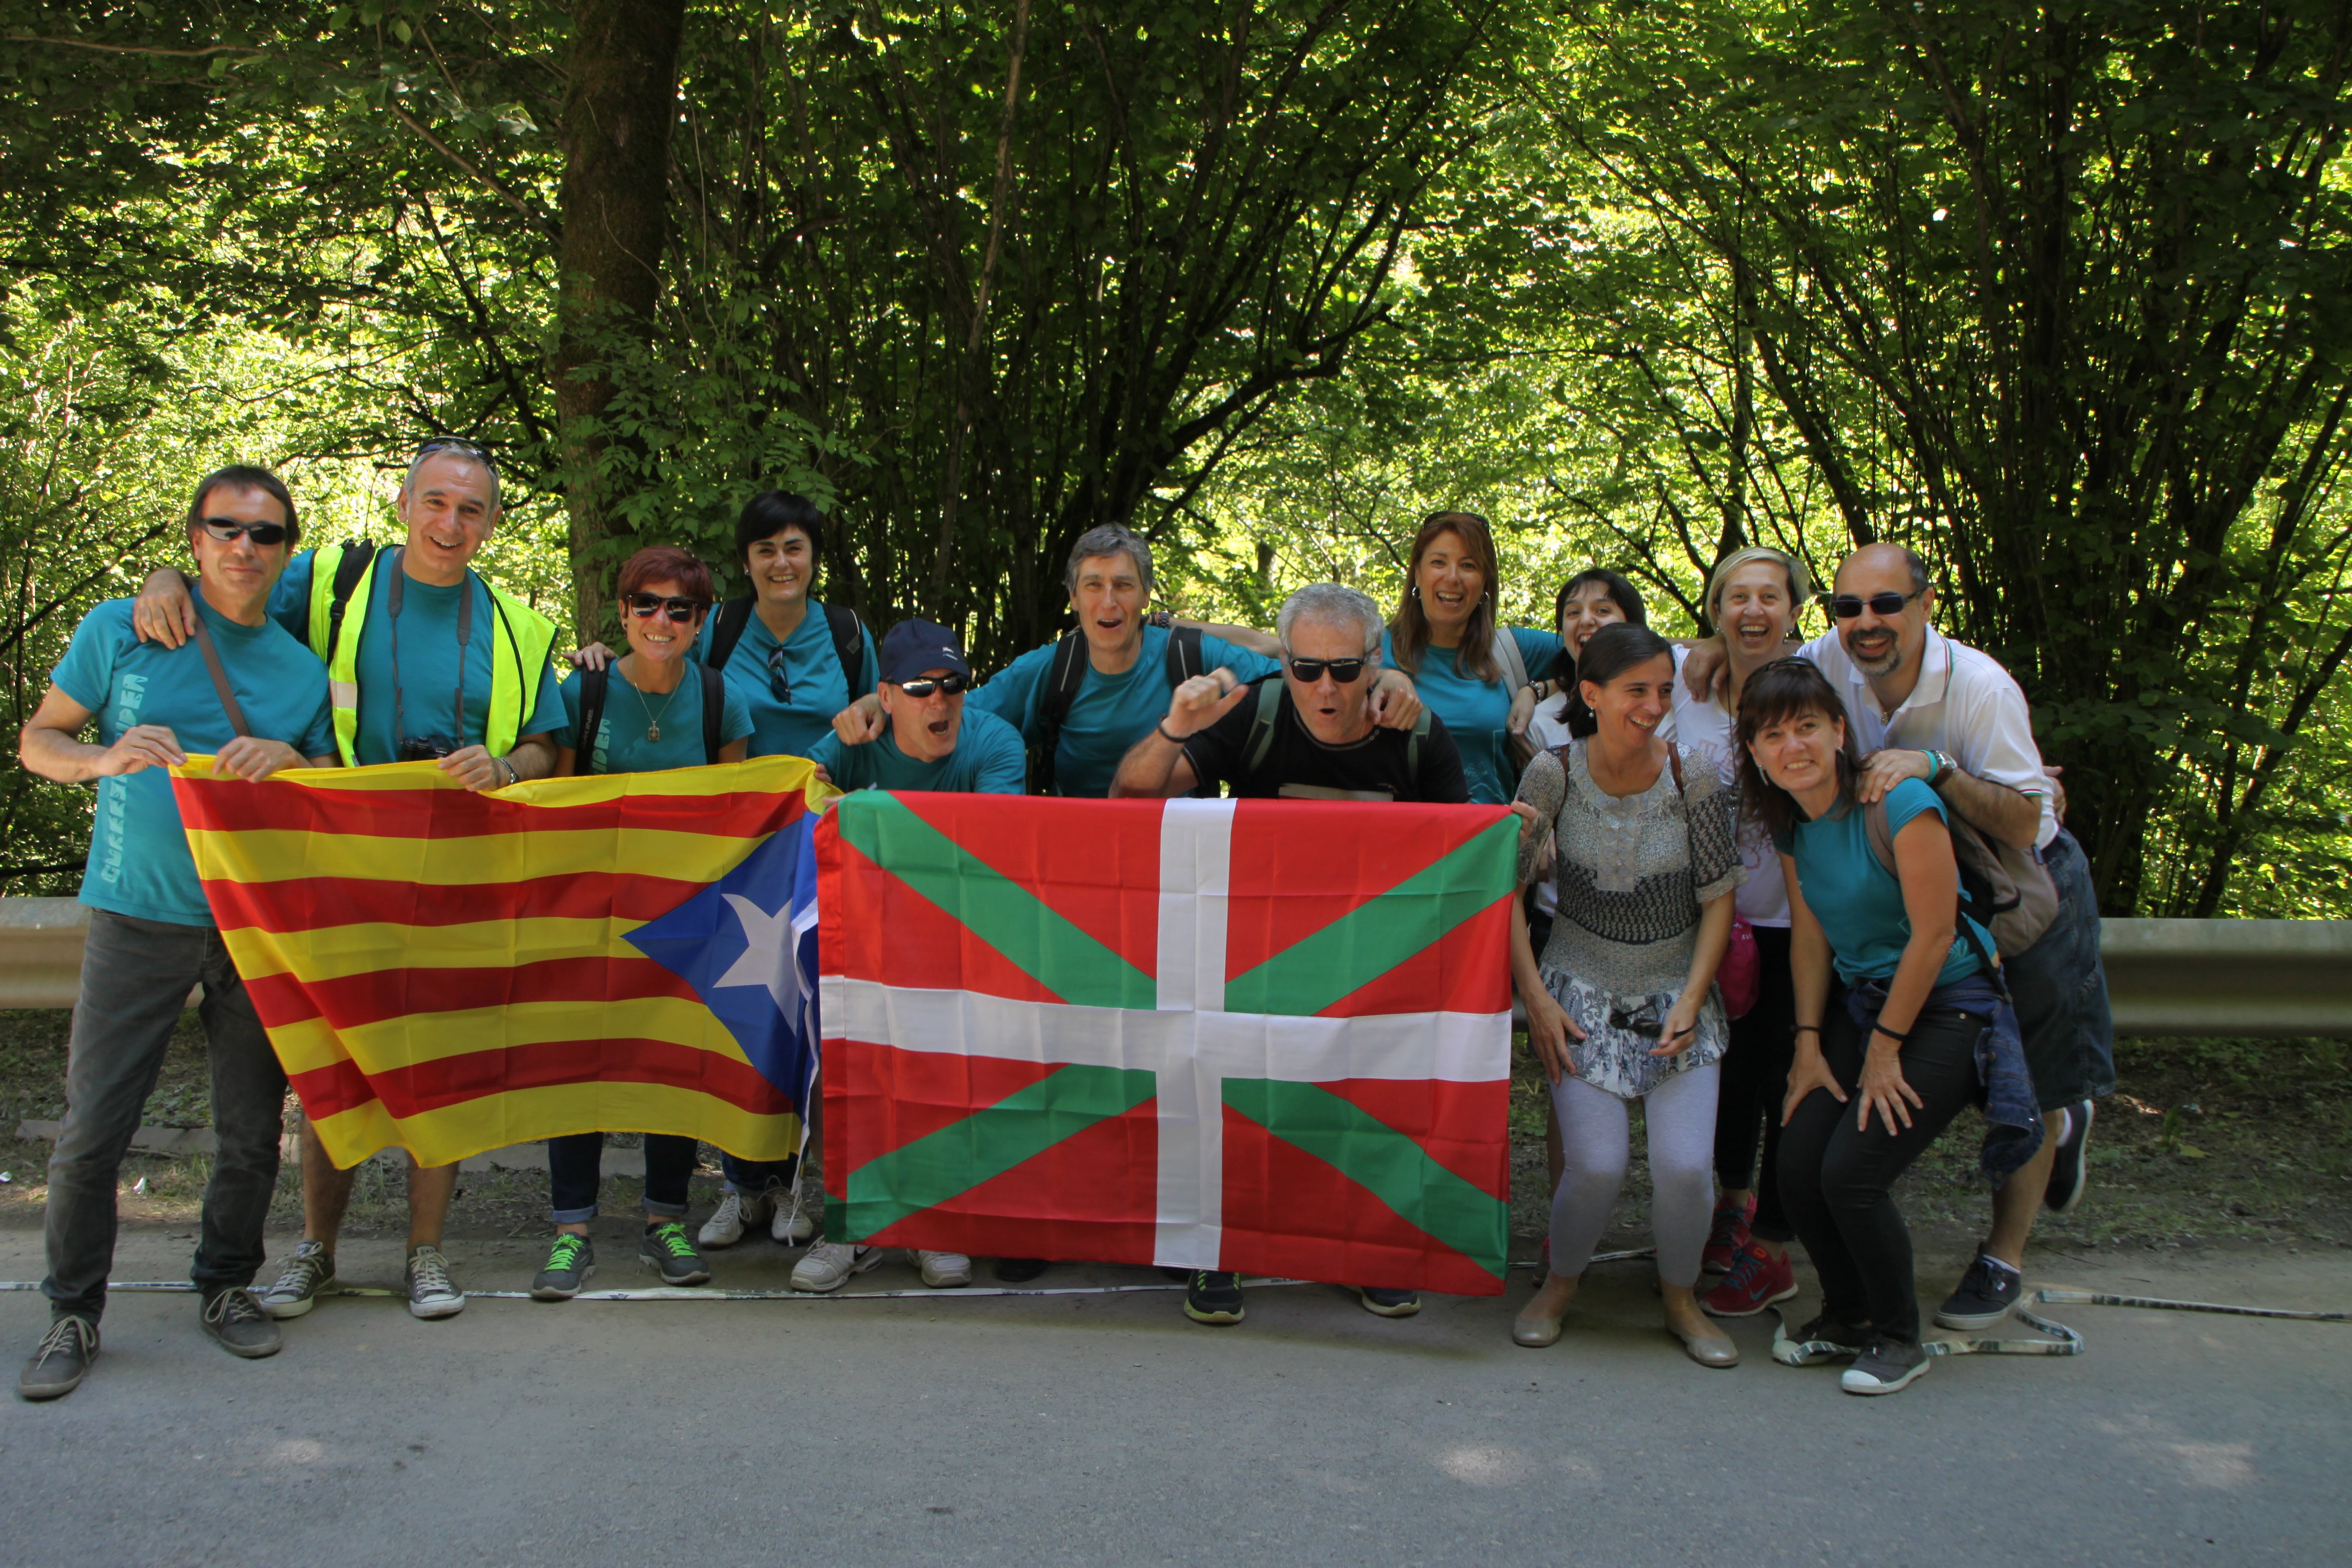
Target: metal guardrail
<point x="2165" y="977"/>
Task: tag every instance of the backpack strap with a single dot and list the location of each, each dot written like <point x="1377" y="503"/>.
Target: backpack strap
<point x="1508" y="659"/>
<point x="848" y="646"/>
<point x="1881" y="845"/>
<point x="594" y="685"/>
<point x="1261" y="735"/>
<point x="1184" y="656"/>
<point x="1881" y="837"/>
<point x="1063" y="679"/>
<point x="728" y="630"/>
<point x="1412" y="750"/>
<point x="714" y="710"/>
<point x="350" y="565"/>
<point x="213" y="667"/>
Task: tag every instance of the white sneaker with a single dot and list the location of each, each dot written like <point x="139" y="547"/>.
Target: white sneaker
<point x="944" y="1270"/>
<point x="828" y="1265"/>
<point x="737" y="1216"/>
<point x="795" y="1223"/>
<point x="431" y="1292"/>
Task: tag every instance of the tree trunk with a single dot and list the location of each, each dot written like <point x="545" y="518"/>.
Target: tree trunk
<point x="617" y="114"/>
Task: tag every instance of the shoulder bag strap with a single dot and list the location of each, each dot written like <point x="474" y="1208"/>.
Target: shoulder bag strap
<point x="350" y="565"/>
<point x="733" y="616"/>
<point x="1184" y="654"/>
<point x="848" y="646"/>
<point x="714" y="710"/>
<point x="213" y="664"/>
<point x="1261" y="735"/>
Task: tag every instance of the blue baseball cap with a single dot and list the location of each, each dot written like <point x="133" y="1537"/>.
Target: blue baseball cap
<point x="913" y="650"/>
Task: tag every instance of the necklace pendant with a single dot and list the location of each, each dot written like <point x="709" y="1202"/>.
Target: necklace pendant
<point x="653" y="733"/>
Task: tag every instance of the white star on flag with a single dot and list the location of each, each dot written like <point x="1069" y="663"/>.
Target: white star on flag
<point x="771" y="957"/>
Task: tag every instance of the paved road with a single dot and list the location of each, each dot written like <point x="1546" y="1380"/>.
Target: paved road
<point x="1107" y="1430"/>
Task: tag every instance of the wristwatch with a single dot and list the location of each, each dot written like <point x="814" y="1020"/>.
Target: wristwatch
<point x="1940" y="767"/>
<point x="1162" y="618"/>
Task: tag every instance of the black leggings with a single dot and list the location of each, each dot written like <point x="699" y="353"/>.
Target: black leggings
<point x="1755" y="1082"/>
<point x="1835" y="1180"/>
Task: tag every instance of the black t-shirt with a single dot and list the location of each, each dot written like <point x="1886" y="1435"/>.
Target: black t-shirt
<point x="1299" y="766"/>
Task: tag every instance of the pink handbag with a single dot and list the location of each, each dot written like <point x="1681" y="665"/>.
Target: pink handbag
<point x="1741" y="973"/>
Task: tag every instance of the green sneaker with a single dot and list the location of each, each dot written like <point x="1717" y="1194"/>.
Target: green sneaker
<point x="669" y="1249"/>
<point x="569" y="1263"/>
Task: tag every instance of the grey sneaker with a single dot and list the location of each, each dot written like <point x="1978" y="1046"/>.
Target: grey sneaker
<point x="58" y="1364"/>
<point x="569" y="1263"/>
<point x="670" y="1250"/>
<point x="1888" y="1366"/>
<point x="238" y="1325"/>
<point x="1986" y="1293"/>
<point x="1825" y="1339"/>
<point x="431" y="1292"/>
<point x="309" y="1271"/>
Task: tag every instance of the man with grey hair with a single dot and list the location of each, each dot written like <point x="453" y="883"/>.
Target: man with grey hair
<point x="1307" y="734"/>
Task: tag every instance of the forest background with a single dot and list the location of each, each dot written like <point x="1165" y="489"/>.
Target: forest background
<point x="2060" y="294"/>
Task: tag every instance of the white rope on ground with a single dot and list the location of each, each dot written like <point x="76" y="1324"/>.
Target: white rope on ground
<point x="700" y="1293"/>
<point x="1625" y="1256"/>
<point x="2063" y="1341"/>
<point x="2096" y="1299"/>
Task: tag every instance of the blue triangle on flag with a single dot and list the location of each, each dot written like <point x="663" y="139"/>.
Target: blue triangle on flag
<point x="747" y="943"/>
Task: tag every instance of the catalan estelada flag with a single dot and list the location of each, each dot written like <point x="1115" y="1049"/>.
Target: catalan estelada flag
<point x="1263" y="1036"/>
<point x="449" y="972"/>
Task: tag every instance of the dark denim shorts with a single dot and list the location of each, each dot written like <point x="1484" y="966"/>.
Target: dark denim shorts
<point x="2060" y="988"/>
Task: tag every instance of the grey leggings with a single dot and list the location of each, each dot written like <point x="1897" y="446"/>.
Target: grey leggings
<point x="1594" y="1133"/>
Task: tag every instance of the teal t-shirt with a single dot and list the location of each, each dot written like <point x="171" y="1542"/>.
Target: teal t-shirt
<point x="1859" y="901"/>
<point x="813" y="678"/>
<point x="621" y="744"/>
<point x="1478" y="712"/>
<point x="139" y="860"/>
<point x="989" y="758"/>
<point x="1111" y="713"/>
<point x="425" y="703"/>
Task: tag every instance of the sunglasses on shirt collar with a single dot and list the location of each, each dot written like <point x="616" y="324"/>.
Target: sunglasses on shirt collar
<point x="677" y="607"/>
<point x="226" y="530"/>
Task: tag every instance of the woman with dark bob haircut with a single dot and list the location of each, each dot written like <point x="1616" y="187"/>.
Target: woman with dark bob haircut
<point x="1894" y="999"/>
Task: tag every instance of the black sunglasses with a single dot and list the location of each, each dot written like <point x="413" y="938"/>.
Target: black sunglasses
<point x="1343" y="670"/>
<point x="681" y="609"/>
<point x="953" y="685"/>
<point x="779" y="684"/>
<point x="226" y="530"/>
<point x="481" y="454"/>
<point x="1845" y="606"/>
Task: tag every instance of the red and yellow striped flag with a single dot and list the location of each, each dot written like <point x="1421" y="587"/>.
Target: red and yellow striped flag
<point x="449" y="972"/>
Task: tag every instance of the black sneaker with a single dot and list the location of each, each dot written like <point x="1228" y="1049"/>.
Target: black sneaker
<point x="1386" y="1303"/>
<point x="569" y="1263"/>
<point x="1986" y="1293"/>
<point x="57" y="1365"/>
<point x="1213" y="1297"/>
<point x="1888" y="1366"/>
<point x="668" y="1247"/>
<point x="2065" y="1189"/>
<point x="1826" y="1338"/>
<point x="237" y="1322"/>
<point x="1019" y="1270"/>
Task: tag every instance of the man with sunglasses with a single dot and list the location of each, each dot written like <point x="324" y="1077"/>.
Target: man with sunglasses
<point x="1308" y="733"/>
<point x="426" y="661"/>
<point x="933" y="743"/>
<point x="1928" y="708"/>
<point x="253" y="698"/>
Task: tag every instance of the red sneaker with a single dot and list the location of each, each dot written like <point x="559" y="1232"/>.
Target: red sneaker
<point x="1729" y="1234"/>
<point x="1757" y="1281"/>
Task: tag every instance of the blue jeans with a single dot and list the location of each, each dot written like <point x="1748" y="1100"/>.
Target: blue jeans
<point x="135" y="979"/>
<point x="2060" y="989"/>
<point x="752" y="1177"/>
<point x="576" y="1166"/>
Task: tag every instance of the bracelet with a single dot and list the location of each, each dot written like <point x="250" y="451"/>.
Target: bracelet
<point x="1172" y="739"/>
<point x="514" y="777"/>
<point x="1796" y="1029"/>
<point x="1898" y="1039"/>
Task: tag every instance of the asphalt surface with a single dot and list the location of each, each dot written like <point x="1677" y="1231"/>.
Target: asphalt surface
<point x="1108" y="1429"/>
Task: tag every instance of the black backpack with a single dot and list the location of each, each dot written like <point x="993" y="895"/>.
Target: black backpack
<point x="1069" y="673"/>
<point x="595" y="683"/>
<point x="848" y="640"/>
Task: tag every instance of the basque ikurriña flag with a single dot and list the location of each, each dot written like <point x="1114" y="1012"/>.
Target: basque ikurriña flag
<point x="448" y="972"/>
<point x="1272" y="1037"/>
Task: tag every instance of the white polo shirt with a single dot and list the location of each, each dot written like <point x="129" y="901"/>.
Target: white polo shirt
<point x="1965" y="705"/>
